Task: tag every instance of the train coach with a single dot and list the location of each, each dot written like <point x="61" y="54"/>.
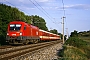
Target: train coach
<point x="19" y="32"/>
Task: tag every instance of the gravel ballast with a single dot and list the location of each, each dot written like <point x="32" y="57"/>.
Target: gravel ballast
<point x="48" y="53"/>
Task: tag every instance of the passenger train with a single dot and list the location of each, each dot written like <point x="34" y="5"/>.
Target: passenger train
<point x="20" y="32"/>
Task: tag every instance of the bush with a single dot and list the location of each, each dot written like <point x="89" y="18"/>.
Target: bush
<point x="80" y="44"/>
<point x="2" y="40"/>
<point x="76" y="42"/>
<point x="73" y="53"/>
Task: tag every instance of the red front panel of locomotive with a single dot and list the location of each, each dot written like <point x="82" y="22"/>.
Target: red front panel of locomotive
<point x="15" y="28"/>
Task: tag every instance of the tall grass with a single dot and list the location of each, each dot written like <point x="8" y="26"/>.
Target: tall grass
<point x="76" y="49"/>
<point x="87" y="39"/>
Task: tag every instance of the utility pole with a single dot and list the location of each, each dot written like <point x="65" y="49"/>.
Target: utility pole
<point x="67" y="33"/>
<point x="63" y="28"/>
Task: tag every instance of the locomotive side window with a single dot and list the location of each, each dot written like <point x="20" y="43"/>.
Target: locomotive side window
<point x="15" y="27"/>
<point x="24" y="27"/>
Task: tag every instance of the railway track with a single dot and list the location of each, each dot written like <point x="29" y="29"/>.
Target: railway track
<point x="9" y="53"/>
<point x="5" y="46"/>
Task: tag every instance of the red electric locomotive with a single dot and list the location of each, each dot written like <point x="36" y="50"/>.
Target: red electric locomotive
<point x="19" y="32"/>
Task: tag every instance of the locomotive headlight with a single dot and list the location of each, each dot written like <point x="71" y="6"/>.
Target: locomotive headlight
<point x="20" y="33"/>
<point x="7" y="33"/>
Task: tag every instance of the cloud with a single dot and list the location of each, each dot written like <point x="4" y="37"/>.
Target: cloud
<point x="42" y="0"/>
<point x="1" y="0"/>
<point x="78" y="6"/>
<point x="29" y="4"/>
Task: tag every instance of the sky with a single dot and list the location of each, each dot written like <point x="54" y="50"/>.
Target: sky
<point x="77" y="12"/>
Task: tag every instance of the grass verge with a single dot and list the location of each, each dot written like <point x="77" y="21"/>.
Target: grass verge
<point x="75" y="49"/>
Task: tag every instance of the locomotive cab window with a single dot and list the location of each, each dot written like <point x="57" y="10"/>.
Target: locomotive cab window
<point x="24" y="27"/>
<point x="15" y="27"/>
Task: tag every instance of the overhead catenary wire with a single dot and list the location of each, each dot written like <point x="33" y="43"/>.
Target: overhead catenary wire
<point x="64" y="13"/>
<point x="63" y="21"/>
<point x="63" y="7"/>
<point x="9" y="3"/>
<point x="39" y="8"/>
<point x="43" y="11"/>
<point x="14" y="5"/>
<point x="51" y="18"/>
<point x="35" y="5"/>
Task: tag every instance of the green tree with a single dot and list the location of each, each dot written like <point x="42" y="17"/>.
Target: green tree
<point x="39" y="22"/>
<point x="8" y="14"/>
<point x="60" y="35"/>
<point x="74" y="34"/>
<point x="54" y="31"/>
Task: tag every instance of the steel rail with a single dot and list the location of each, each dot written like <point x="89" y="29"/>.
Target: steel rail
<point x="18" y="52"/>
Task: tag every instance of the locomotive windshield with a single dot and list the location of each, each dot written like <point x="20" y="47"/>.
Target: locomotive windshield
<point x="15" y="27"/>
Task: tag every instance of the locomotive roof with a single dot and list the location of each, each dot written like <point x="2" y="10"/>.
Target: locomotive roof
<point x="21" y="22"/>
